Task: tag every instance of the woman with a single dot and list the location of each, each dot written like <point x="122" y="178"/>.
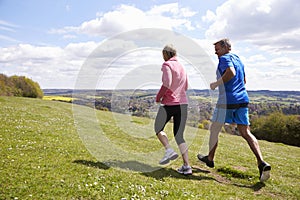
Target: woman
<point x="173" y="99"/>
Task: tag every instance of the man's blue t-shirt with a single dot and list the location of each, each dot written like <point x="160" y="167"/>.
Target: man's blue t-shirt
<point x="234" y="91"/>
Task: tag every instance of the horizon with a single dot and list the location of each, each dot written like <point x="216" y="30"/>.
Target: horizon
<point x="99" y="89"/>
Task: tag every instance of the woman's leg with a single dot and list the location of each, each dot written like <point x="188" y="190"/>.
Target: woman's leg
<point x="179" y="125"/>
<point x="163" y="138"/>
<point x="161" y="119"/>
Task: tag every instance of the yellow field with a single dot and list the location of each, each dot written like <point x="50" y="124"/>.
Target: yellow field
<point x="58" y="98"/>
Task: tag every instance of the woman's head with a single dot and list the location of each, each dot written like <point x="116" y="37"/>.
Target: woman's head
<point x="168" y="52"/>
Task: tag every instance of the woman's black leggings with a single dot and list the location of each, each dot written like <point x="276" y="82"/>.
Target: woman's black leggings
<point x="179" y="114"/>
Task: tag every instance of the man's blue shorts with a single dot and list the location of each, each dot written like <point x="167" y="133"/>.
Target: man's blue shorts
<point x="230" y="116"/>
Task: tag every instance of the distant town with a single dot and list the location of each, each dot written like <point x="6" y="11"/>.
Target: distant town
<point x="201" y="102"/>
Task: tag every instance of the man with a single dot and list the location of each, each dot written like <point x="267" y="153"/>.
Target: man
<point x="232" y="106"/>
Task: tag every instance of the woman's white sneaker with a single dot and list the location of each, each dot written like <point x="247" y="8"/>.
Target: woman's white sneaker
<point x="186" y="170"/>
<point x="170" y="154"/>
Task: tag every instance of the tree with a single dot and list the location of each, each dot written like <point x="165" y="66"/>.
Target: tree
<point x="19" y="86"/>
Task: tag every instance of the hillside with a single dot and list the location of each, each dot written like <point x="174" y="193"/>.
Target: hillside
<point x="43" y="156"/>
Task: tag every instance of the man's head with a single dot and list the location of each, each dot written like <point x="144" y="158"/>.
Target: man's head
<point x="222" y="47"/>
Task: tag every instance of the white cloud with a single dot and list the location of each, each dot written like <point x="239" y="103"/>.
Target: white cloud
<point x="173" y="9"/>
<point x="273" y="74"/>
<point x="80" y="50"/>
<point x="7" y="38"/>
<point x="209" y="17"/>
<point x="284" y="62"/>
<point x="267" y="34"/>
<point x="69" y="36"/>
<point x="7" y="27"/>
<point x="271" y="23"/>
<point x="49" y="66"/>
<point x="257" y="58"/>
<point x="125" y="17"/>
<point x="68" y="8"/>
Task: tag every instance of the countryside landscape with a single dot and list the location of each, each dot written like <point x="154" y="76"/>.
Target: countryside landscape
<point x="78" y="85"/>
<point x="43" y="156"/>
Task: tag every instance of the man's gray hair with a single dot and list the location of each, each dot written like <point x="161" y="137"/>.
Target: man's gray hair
<point x="224" y="43"/>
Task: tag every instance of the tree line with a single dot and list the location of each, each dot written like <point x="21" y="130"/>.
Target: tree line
<point x="19" y="86"/>
<point x="277" y="127"/>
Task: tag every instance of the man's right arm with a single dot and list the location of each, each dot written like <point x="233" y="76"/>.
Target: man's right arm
<point x="227" y="76"/>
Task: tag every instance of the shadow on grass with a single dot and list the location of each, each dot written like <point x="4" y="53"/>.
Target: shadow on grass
<point x="171" y="173"/>
<point x="256" y="187"/>
<point x="127" y="165"/>
<point x="98" y="165"/>
<point x="161" y="173"/>
<point x="228" y="172"/>
<point x="146" y="170"/>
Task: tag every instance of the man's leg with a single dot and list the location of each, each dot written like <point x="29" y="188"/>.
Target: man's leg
<point x="264" y="167"/>
<point x="215" y="129"/>
<point x="244" y="130"/>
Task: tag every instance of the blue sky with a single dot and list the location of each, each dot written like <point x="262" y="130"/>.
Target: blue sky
<point x="50" y="41"/>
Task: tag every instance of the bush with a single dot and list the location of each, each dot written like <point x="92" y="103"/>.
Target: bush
<point x="19" y="86"/>
<point x="6" y="86"/>
<point x="277" y="127"/>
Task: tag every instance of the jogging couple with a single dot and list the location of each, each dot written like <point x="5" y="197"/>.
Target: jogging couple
<point x="231" y="107"/>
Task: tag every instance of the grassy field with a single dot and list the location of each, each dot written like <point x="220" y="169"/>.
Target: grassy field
<point x="43" y="156"/>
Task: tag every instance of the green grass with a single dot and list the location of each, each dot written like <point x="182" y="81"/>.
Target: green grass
<point x="43" y="157"/>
